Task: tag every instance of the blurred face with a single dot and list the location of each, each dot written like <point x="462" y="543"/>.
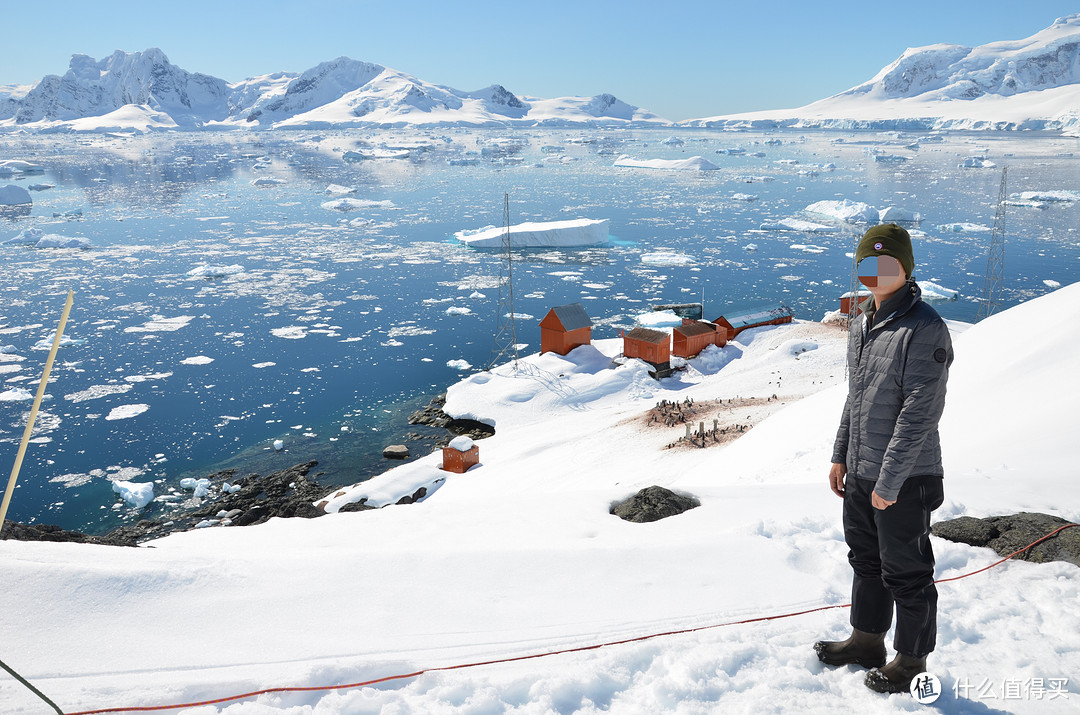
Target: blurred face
<point x="881" y="272"/>
<point x="883" y="275"/>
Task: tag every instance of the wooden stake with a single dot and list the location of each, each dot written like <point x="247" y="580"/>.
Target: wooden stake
<point x="34" y="410"/>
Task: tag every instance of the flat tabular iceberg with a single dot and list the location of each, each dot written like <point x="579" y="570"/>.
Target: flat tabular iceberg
<point x="844" y="210"/>
<point x="694" y="163"/>
<point x="209" y="271"/>
<point x="575" y="232"/>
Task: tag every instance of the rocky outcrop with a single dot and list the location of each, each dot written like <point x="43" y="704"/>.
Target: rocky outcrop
<point x="48" y="532"/>
<point x="433" y="416"/>
<point x="1006" y="534"/>
<point x="652" y="504"/>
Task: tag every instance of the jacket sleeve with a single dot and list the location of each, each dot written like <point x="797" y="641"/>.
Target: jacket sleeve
<point x="839" y="450"/>
<point x="925" y="373"/>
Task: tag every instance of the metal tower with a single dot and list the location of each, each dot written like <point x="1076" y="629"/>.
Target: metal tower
<point x="992" y="285"/>
<point x="505" y="344"/>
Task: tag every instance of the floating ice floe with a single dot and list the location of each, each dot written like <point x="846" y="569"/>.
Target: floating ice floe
<point x="260" y="365"/>
<point x="279" y="445"/>
<point x="750" y="247"/>
<point x="149" y="377"/>
<point x="694" y="163"/>
<point x="124" y="412"/>
<point x="41" y="187"/>
<point x="889" y="158"/>
<point x="456" y="310"/>
<point x="267" y="181"/>
<point x="666" y="258"/>
<point x="12" y="195"/>
<point x="39" y="239"/>
<point x="136" y="494"/>
<point x="459" y="364"/>
<point x="807" y="248"/>
<point x="339" y="190"/>
<point x="537" y="234"/>
<point x="97" y="391"/>
<point x="1027" y="203"/>
<point x="9" y="167"/>
<point x="1051" y="284"/>
<point x="976" y="162"/>
<point x="289" y="332"/>
<point x="15" y="394"/>
<point x="65" y="341"/>
<point x="798" y="224"/>
<point x="210" y="271"/>
<point x="844" y="210"/>
<point x="744" y="197"/>
<point x="1050" y="195"/>
<point x="964" y="228"/>
<point x="658" y="319"/>
<point x="933" y="292"/>
<point x="199" y="487"/>
<point x="672" y="141"/>
<point x="161" y="324"/>
<point x="197" y="360"/>
<point x="895" y="214"/>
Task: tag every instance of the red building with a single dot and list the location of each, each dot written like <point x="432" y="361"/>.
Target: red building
<point x="693" y="336"/>
<point x="736" y="322"/>
<point x="652" y="346"/>
<point x="847" y="302"/>
<point x="564" y="328"/>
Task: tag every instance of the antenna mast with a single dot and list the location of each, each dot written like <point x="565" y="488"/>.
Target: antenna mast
<point x="992" y="285"/>
<point x="506" y="343"/>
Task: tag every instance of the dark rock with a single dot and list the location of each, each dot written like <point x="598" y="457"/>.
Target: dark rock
<point x="414" y="497"/>
<point x="1006" y="534"/>
<point x="396" y="451"/>
<point x="356" y="506"/>
<point x="433" y="416"/>
<point x="49" y="532"/>
<point x="653" y="503"/>
<point x="254" y="515"/>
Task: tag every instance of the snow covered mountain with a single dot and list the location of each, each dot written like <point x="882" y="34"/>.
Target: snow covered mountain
<point x="1032" y="83"/>
<point x="143" y="90"/>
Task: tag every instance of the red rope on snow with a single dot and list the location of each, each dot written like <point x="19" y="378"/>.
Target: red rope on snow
<point x="513" y="659"/>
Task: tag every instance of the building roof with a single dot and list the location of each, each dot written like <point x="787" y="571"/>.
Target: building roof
<point x="570" y="317"/>
<point x="696" y="328"/>
<point x="762" y="314"/>
<point x="647" y="335"/>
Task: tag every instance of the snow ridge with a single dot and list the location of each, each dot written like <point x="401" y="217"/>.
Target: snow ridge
<point x="144" y="91"/>
<point x="1033" y="83"/>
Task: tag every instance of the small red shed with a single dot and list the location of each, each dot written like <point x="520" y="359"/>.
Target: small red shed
<point x="849" y="300"/>
<point x="653" y="346"/>
<point x="736" y="322"/>
<point x="564" y="328"/>
<point x="693" y="336"/>
<point x="460" y="455"/>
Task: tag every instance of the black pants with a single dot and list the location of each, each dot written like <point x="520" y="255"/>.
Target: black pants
<point x="893" y="562"/>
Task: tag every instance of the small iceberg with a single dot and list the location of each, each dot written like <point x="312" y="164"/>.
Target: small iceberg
<point x="844" y="210"/>
<point x="964" y="228"/>
<point x="976" y="162"/>
<point x="574" y="232"/>
<point x="1049" y="196"/>
<point x="694" y="163"/>
<point x="267" y="181"/>
<point x="209" y="271"/>
<point x="137" y="494"/>
<point x="895" y="214"/>
<point x="933" y="292"/>
<point x="798" y="224"/>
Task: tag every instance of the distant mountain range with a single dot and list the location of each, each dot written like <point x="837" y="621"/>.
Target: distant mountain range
<point x="143" y="90"/>
<point x="1032" y="83"/>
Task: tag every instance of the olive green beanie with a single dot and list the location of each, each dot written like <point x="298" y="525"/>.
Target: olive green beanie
<point x="887" y="239"/>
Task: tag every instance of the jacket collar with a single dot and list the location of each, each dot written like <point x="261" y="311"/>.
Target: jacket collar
<point x="897" y="305"/>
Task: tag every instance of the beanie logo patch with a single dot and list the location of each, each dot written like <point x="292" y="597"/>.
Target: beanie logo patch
<point x="878" y="246"/>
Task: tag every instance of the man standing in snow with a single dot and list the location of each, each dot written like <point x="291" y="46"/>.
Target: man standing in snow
<point x="887" y="465"/>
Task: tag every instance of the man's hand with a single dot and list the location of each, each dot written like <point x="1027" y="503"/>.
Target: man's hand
<point x="836" y="478"/>
<point x="880" y="503"/>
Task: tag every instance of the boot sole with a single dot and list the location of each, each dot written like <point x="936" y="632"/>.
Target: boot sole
<point x="868" y="663"/>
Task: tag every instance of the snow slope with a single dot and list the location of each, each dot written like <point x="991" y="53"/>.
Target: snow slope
<point x="1032" y="83"/>
<point x="520" y="555"/>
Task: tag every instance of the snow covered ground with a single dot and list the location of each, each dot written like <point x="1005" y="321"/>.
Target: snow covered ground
<point x="520" y="556"/>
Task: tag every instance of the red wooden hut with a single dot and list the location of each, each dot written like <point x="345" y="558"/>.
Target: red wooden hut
<point x="652" y="346"/>
<point x="460" y="455"/>
<point x="693" y="336"/>
<point x="847" y="303"/>
<point x="564" y="328"/>
<point x="736" y="322"/>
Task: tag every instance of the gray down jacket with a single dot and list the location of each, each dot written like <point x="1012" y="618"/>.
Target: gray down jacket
<point x="897" y="370"/>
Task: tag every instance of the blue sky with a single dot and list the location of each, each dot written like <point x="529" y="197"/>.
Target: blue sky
<point x="684" y="59"/>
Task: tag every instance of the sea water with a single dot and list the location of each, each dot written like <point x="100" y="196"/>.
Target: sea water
<point x="325" y="329"/>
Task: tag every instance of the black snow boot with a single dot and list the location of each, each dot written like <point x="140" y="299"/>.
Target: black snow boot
<point x="896" y="677"/>
<point x="860" y="648"/>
